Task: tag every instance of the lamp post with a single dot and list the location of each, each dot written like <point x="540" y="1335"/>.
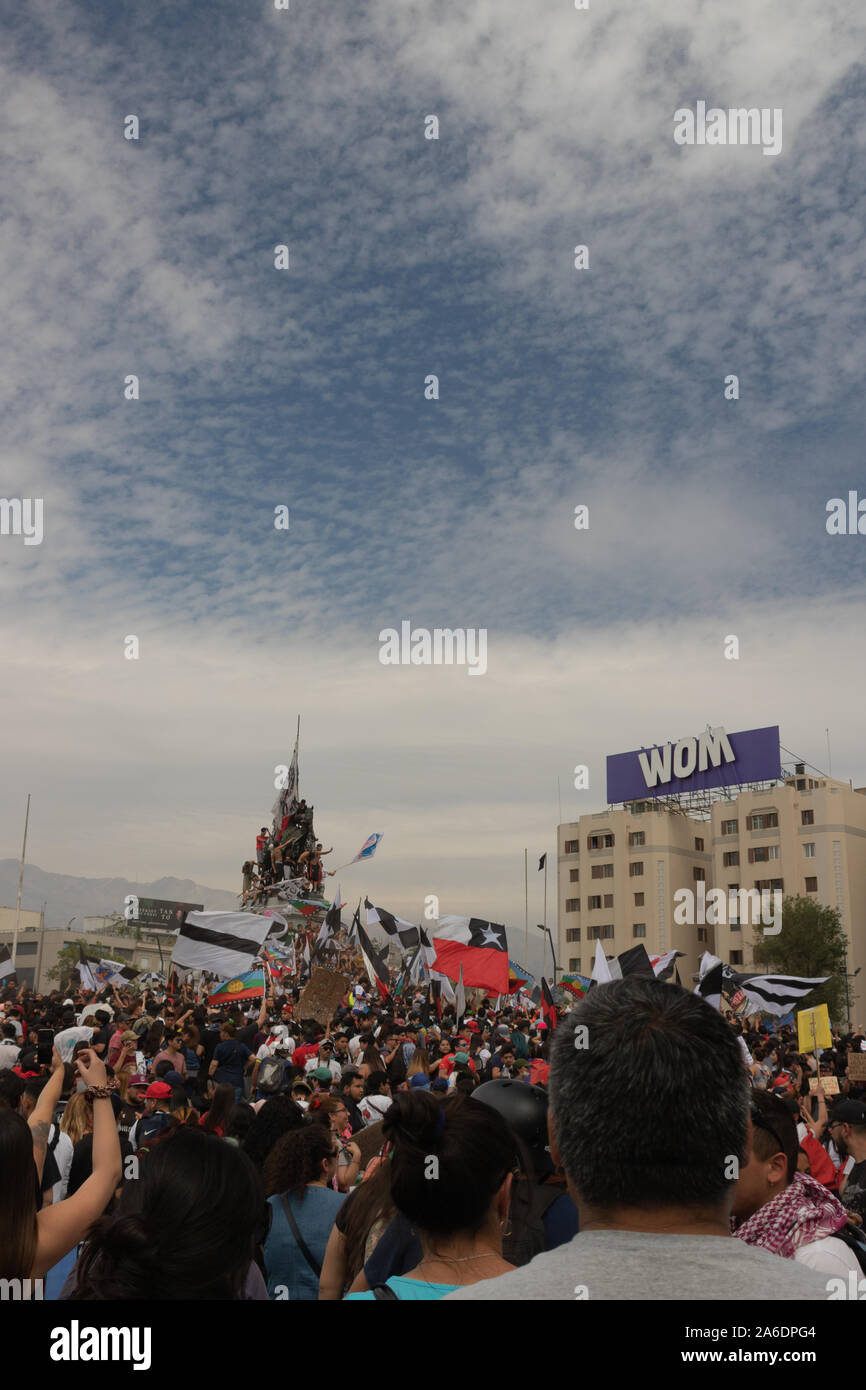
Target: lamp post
<point x="546" y="930"/>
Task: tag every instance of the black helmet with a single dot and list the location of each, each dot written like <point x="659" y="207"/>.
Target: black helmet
<point x="524" y="1109"/>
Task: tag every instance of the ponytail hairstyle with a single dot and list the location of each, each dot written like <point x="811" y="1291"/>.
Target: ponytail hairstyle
<point x="474" y="1151"/>
<point x="187" y="1229"/>
<point x="297" y="1159"/>
<point x="321" y="1108"/>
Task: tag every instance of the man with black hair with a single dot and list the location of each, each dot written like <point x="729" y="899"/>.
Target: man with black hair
<point x="649" y="1119"/>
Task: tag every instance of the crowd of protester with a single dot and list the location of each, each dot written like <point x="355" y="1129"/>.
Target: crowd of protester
<point x="153" y="1147"/>
<point x="289" y="853"/>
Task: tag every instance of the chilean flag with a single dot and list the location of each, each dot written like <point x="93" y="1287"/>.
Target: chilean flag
<point x="479" y="947"/>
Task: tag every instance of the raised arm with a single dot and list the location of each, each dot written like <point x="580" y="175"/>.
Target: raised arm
<point x="43" y="1111"/>
<point x="62" y="1226"/>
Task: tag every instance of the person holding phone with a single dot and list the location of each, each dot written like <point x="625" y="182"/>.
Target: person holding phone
<point x="32" y="1242"/>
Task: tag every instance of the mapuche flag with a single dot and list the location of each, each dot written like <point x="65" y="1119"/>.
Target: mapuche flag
<point x="248" y="986"/>
<point x="480" y="947"/>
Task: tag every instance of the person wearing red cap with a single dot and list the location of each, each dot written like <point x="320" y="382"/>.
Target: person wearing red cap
<point x="156" y="1118"/>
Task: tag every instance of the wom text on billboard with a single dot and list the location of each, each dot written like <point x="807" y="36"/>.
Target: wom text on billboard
<point x="695" y="763"/>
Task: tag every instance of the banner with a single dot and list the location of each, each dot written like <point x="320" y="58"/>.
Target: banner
<point x="813" y="1028"/>
<point x="157" y="912"/>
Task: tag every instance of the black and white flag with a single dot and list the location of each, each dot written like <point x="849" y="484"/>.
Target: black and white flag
<point x="7" y="966"/>
<point x="394" y="926"/>
<point x="332" y="924"/>
<point x="776" y="994"/>
<point x="223" y="943"/>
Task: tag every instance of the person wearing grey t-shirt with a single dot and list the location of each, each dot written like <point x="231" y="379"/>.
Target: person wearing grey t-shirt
<point x="649" y="1106"/>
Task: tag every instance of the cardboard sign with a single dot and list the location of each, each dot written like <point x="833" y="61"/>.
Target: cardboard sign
<point x="830" y="1084"/>
<point x="321" y="995"/>
<point x="369" y="1141"/>
<point x="857" y="1066"/>
<point x="809" y="1037"/>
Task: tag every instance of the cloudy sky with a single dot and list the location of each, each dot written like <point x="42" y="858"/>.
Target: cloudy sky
<point x="558" y="387"/>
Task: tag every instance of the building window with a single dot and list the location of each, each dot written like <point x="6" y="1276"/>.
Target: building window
<point x="735" y="925"/>
<point x="594" y="902"/>
<point x="636" y="837"/>
<point x="809" y="850"/>
<point x="574" y="875"/>
<point x="811" y="885"/>
<point x="608" y="899"/>
<point x="607" y="933"/>
<point x="767" y="820"/>
<point x="574" y="965"/>
<point x="736" y="958"/>
<point x="699" y="844"/>
<point x="730" y="827"/>
<point x="762" y="854"/>
<point x="638" y="899"/>
<point x="572" y="934"/>
<point x="731" y="859"/>
<point x="572" y="904"/>
<point x="602" y="871"/>
<point x="572" y="846"/>
<point x="769" y="885"/>
<point x="26" y="948"/>
<point x="703" y="934"/>
<point x="733" y="887"/>
<point x="699" y="875"/>
<point x="807" y="817"/>
<point x="636" y="870"/>
<point x="639" y="929"/>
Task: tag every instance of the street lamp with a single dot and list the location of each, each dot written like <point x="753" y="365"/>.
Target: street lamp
<point x="546" y="930"/>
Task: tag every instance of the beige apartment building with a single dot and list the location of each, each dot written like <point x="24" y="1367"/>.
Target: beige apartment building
<point x="618" y="871"/>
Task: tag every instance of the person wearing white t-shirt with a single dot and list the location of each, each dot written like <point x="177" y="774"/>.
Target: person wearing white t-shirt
<point x="325" y="1059"/>
<point x="9" y="1049"/>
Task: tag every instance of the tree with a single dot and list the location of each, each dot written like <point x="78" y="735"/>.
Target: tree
<point x="69" y="956"/>
<point x="812" y="942"/>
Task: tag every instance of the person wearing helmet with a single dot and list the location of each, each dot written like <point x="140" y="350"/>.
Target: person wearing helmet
<point x="543" y="1214"/>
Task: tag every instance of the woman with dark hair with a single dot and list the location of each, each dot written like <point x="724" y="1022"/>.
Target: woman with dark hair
<point x="298" y="1175"/>
<point x="277" y="1117"/>
<point x="332" y="1111"/>
<point x="32" y="1242"/>
<point x="360" y="1221"/>
<point x="186" y="1229"/>
<point x="216" y="1121"/>
<point x="451" y="1168"/>
<point x="240" y="1120"/>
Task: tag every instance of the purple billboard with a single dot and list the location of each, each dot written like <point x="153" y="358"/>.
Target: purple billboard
<point x="695" y="763"/>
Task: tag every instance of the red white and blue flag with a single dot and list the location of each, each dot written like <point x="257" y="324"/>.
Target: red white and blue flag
<point x="479" y="947"/>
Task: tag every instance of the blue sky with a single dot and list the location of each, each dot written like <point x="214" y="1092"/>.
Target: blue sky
<point x="306" y="387"/>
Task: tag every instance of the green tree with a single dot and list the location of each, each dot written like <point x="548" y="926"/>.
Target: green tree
<point x="812" y="942"/>
<point x="69" y="956"/>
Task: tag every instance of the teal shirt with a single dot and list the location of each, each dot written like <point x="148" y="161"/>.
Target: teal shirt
<point x="408" y="1289"/>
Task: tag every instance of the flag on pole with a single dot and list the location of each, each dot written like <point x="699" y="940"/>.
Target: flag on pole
<point x="223" y="943"/>
<point x="575" y="984"/>
<point x="374" y="963"/>
<point x="331" y="925"/>
<point x="86" y="977"/>
<point x="709" y="986"/>
<point x="287" y="801"/>
<point x="664" y="965"/>
<point x="443" y="988"/>
<point x="479" y="946"/>
<point x="548" y="1008"/>
<point x="776" y="994"/>
<point x="394" y="926"/>
<point x="247" y="986"/>
<point x="601" y="969"/>
<point x="461" y="996"/>
<point x="7" y="965"/>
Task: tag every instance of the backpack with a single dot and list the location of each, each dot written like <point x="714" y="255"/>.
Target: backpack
<point x="270" y="1077"/>
<point x="529" y="1204"/>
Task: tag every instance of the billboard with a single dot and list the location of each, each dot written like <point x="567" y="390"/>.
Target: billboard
<point x="695" y="763"/>
<point x="157" y="912"/>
